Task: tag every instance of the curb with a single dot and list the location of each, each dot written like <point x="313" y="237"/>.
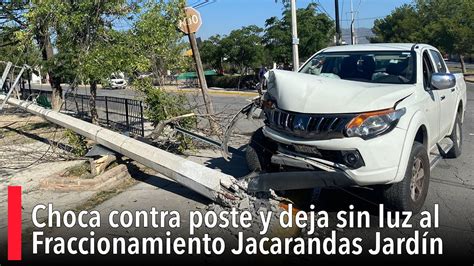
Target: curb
<point x="193" y="90"/>
<point x="216" y="92"/>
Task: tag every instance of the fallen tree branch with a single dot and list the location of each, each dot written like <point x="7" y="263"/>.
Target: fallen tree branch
<point x="161" y="125"/>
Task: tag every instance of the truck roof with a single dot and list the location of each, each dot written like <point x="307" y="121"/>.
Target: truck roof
<point x="375" y="47"/>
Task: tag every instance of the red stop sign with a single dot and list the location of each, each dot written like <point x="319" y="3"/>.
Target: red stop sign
<point x="192" y="21"/>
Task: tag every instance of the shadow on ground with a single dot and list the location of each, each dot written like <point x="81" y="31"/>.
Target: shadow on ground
<point x="163" y="183"/>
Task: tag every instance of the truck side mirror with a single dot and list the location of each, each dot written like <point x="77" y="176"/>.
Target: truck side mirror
<point x="442" y="81"/>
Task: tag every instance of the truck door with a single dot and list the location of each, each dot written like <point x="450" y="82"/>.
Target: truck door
<point x="448" y="97"/>
<point x="431" y="102"/>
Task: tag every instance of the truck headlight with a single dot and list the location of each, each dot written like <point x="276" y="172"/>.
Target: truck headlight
<point x="372" y="124"/>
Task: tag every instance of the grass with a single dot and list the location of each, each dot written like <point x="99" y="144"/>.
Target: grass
<point x="34" y="126"/>
<point x="5" y="132"/>
<point x="81" y="171"/>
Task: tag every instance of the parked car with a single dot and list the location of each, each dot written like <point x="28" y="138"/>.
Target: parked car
<point x="378" y="116"/>
<point x="117" y="81"/>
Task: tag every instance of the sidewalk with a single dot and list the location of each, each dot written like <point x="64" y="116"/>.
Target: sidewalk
<point x="469" y="78"/>
<point x="133" y="94"/>
<point x="215" y="91"/>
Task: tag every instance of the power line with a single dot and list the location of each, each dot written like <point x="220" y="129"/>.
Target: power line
<point x="369" y="18"/>
<point x="203" y="3"/>
<point x="195" y="3"/>
<point x="321" y="9"/>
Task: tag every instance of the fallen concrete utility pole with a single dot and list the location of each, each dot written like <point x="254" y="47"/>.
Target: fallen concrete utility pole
<point x="210" y="183"/>
<point x="13" y="87"/>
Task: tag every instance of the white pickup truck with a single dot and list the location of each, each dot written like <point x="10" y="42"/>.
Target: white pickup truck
<point x="378" y="115"/>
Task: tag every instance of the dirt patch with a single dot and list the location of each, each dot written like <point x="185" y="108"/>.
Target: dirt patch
<point x="19" y="127"/>
<point x="81" y="181"/>
<point x="107" y="194"/>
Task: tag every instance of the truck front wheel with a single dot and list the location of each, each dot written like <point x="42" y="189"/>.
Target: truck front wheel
<point x="259" y="152"/>
<point x="410" y="193"/>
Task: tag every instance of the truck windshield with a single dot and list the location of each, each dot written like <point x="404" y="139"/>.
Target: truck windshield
<point x="391" y="67"/>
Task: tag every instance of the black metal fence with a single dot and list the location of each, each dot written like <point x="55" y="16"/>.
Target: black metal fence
<point x="119" y="114"/>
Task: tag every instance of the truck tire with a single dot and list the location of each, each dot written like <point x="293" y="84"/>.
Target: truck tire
<point x="410" y="193"/>
<point x="259" y="152"/>
<point x="456" y="137"/>
<point x="258" y="155"/>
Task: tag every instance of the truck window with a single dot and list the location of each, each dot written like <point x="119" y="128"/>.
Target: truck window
<point x="427" y="70"/>
<point x="439" y="61"/>
<point x="393" y="67"/>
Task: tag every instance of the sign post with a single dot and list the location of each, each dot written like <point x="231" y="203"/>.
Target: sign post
<point x="190" y="25"/>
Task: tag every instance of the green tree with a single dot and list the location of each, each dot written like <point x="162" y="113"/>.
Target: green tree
<point x="446" y="24"/>
<point x="449" y="25"/>
<point x="83" y="28"/>
<point x="315" y="31"/>
<point x="89" y="49"/>
<point x="286" y="3"/>
<point x="153" y="41"/>
<point x="212" y="53"/>
<point x="156" y="38"/>
<point x="402" y="25"/>
<point x="41" y="18"/>
<point x="11" y="21"/>
<point x="243" y="48"/>
<point x="12" y="47"/>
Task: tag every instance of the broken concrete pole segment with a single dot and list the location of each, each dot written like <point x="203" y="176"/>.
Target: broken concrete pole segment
<point x="210" y="183"/>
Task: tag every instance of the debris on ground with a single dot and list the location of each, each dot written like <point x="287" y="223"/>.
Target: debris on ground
<point x="106" y="180"/>
<point x="100" y="165"/>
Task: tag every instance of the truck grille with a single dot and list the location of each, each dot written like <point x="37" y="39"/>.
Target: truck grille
<point x="308" y="126"/>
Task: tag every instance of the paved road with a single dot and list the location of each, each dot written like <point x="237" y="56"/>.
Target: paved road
<point x="84" y="90"/>
<point x="451" y="187"/>
<point x="226" y="105"/>
<point x="222" y="102"/>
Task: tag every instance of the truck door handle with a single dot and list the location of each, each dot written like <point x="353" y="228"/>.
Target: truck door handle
<point x="443" y="97"/>
<point x="453" y="89"/>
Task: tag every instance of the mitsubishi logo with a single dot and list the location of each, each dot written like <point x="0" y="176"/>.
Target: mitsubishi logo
<point x="300" y="124"/>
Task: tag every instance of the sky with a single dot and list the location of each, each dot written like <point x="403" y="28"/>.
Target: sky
<point x="223" y="16"/>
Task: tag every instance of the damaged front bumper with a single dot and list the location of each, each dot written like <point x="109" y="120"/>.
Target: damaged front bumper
<point x="310" y="173"/>
<point x="381" y="156"/>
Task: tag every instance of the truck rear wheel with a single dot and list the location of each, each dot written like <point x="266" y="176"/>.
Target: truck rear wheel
<point x="410" y="193"/>
<point x="456" y="137"/>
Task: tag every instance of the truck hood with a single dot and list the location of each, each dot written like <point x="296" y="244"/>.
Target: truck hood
<point x="305" y="93"/>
